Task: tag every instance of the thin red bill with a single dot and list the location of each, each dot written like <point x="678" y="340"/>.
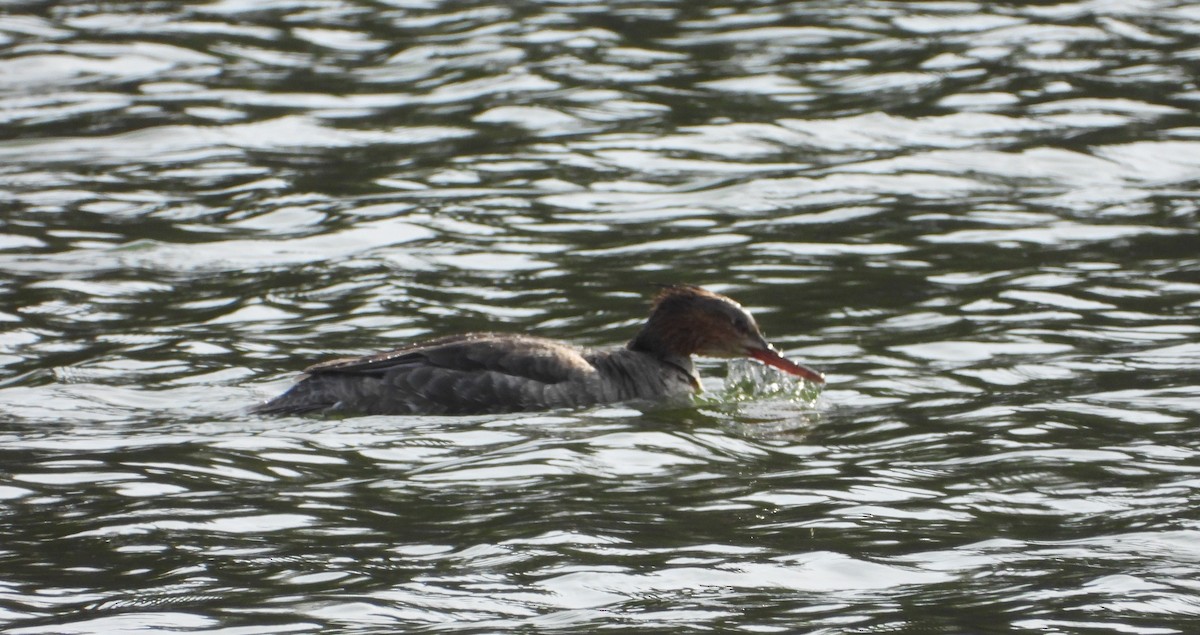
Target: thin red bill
<point x="771" y="358"/>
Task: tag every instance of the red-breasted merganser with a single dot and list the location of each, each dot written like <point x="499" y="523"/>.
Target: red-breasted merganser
<point x="494" y="373"/>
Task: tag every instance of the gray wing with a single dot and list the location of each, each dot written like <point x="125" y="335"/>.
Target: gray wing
<point x="476" y="373"/>
<point x="533" y="358"/>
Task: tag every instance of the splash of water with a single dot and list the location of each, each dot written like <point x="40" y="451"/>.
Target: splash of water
<point x="749" y="381"/>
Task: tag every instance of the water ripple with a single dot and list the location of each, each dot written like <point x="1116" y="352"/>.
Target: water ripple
<point x="978" y="220"/>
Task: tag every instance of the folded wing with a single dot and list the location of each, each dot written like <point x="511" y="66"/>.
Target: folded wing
<point x="474" y="373"/>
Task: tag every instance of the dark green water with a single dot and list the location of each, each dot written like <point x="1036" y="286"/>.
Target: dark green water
<point x="979" y="219"/>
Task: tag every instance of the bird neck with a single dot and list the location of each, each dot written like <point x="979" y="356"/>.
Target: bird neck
<point x="651" y="342"/>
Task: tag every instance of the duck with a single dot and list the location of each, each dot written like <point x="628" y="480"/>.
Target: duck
<point x="493" y="373"/>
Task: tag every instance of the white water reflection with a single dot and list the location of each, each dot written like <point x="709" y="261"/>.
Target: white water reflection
<point x="175" y="143"/>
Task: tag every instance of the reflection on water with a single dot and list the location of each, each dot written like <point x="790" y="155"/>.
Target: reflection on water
<point x="979" y="220"/>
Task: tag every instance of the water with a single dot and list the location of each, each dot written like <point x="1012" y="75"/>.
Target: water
<point x="979" y="220"/>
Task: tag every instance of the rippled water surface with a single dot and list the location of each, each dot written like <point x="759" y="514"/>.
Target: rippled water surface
<point x="979" y="219"/>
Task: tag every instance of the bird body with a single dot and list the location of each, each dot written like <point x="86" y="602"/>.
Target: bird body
<point x="493" y="372"/>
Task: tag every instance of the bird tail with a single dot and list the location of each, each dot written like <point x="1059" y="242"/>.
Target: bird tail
<point x="303" y="398"/>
